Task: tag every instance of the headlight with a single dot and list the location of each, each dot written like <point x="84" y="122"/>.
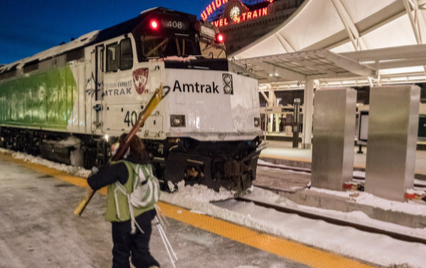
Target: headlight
<point x="227" y="87"/>
<point x="177" y="120"/>
<point x="256" y="122"/>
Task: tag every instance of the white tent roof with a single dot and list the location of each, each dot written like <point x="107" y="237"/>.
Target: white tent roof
<point x="343" y="27"/>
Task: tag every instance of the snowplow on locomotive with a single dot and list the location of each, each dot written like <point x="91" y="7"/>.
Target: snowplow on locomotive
<point x="69" y="103"/>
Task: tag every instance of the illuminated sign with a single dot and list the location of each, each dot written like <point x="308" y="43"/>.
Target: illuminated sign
<point x="212" y="7"/>
<point x="233" y="11"/>
<point x="249" y="15"/>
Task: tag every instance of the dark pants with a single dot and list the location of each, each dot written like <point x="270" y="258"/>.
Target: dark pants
<point x="136" y="245"/>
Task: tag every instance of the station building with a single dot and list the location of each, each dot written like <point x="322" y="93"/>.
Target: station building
<point x="243" y="22"/>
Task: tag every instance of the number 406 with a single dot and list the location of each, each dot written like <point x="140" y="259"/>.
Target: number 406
<point x="131" y="118"/>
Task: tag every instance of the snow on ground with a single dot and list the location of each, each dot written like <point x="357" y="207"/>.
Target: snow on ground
<point x="369" y="199"/>
<point x="263" y="162"/>
<point x="75" y="171"/>
<point x="355" y="216"/>
<point x="377" y="202"/>
<point x="373" y="248"/>
<point x="378" y="249"/>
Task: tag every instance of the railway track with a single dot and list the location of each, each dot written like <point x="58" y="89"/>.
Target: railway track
<point x="308" y="171"/>
<point x="334" y="221"/>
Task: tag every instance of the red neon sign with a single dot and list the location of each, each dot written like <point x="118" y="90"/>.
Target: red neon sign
<point x="249" y="15"/>
<point x="215" y="4"/>
<point x="212" y="7"/>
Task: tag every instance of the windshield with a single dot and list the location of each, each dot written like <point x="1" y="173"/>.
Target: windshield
<point x="180" y="46"/>
<point x="211" y="50"/>
<point x="155" y="46"/>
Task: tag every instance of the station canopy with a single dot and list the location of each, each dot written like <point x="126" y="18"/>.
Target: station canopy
<point x="359" y="40"/>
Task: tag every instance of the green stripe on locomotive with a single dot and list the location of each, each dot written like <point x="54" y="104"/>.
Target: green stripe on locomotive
<point x="42" y="100"/>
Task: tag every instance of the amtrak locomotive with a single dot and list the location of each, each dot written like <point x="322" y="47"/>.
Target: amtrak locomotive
<point x="67" y="103"/>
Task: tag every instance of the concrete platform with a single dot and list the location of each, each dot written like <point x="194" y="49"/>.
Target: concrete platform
<point x="280" y="137"/>
<point x="282" y="153"/>
<point x="39" y="229"/>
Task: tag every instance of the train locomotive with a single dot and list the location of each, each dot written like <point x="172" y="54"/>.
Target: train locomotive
<point x="70" y="102"/>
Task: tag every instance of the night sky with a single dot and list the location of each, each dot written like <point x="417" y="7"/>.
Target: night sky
<point x="30" y="26"/>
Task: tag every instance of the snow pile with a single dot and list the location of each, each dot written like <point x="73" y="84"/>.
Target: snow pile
<point x="174" y="58"/>
<point x="197" y="199"/>
<point x="377" y="202"/>
<point x="6" y="151"/>
<point x="354" y="216"/>
<point x="366" y="198"/>
<point x="202" y="193"/>
<point x="75" y="171"/>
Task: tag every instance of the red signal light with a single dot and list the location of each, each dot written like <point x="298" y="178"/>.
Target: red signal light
<point x="153" y="24"/>
<point x="220" y="38"/>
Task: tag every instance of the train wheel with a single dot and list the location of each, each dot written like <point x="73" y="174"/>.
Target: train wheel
<point x="194" y="175"/>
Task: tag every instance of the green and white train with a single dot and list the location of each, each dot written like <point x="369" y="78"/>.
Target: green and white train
<point x="67" y="103"/>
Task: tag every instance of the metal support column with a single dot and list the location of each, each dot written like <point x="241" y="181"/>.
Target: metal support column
<point x="296" y="123"/>
<point x="333" y="150"/>
<point x="392" y="138"/>
<point x="308" y="110"/>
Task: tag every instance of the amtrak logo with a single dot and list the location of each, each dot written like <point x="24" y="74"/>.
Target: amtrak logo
<point x="111" y="89"/>
<point x="90" y="90"/>
<point x="140" y="78"/>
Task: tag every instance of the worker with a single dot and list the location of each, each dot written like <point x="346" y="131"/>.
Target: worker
<point x="120" y="176"/>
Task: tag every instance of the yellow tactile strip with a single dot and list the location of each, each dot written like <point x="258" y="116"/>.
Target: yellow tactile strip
<point x="281" y="247"/>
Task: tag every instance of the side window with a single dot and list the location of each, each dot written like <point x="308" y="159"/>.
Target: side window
<point x="126" y="57"/>
<point x="112" y="58"/>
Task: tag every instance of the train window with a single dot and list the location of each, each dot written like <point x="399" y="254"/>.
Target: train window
<point x="30" y="66"/>
<point x="112" y="58"/>
<point x="126" y="58"/>
<point x="75" y="54"/>
<point x="5" y="74"/>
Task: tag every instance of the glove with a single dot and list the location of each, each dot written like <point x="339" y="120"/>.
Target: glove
<point x="94" y="171"/>
<point x="114" y="148"/>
